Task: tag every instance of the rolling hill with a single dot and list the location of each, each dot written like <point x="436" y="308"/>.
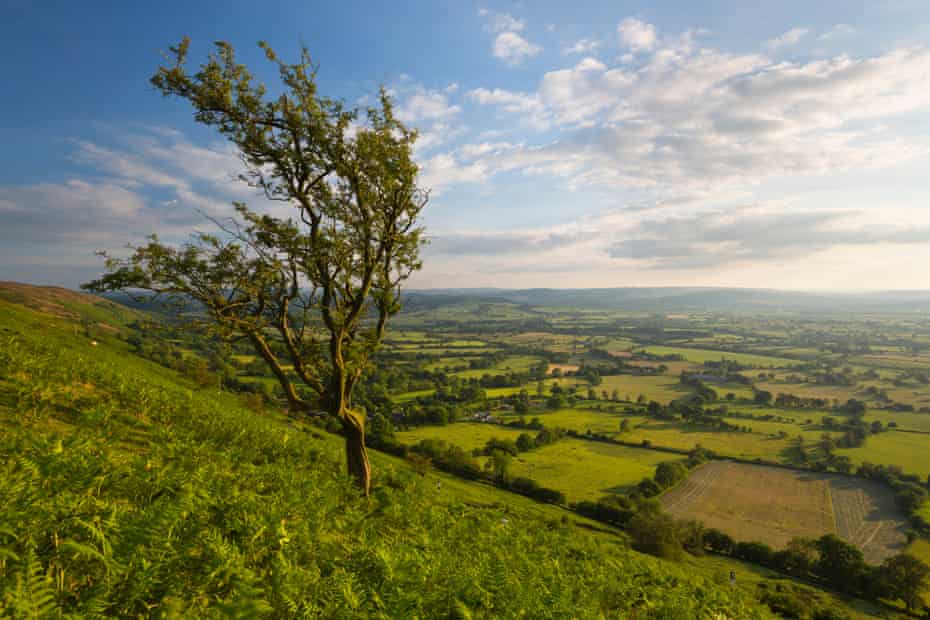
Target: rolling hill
<point x="127" y="490"/>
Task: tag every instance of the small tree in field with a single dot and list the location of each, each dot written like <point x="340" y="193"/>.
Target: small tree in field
<point x="313" y="290"/>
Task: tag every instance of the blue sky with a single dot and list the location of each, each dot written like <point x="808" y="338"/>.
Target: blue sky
<point x="782" y="145"/>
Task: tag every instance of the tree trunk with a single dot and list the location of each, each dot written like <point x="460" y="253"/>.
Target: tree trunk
<point x="356" y="453"/>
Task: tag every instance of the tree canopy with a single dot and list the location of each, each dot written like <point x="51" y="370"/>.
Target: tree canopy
<point x="313" y="287"/>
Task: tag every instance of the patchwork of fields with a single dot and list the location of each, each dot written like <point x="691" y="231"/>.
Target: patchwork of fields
<point x="774" y="505"/>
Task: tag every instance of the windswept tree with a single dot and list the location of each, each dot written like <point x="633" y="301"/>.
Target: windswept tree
<point x="314" y="288"/>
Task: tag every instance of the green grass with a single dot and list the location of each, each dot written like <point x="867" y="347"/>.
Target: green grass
<point x="467" y="435"/>
<point x="909" y="450"/>
<point x="581" y="469"/>
<point x="662" y="388"/>
<point x="904" y="419"/>
<point x="685" y="437"/>
<point x="708" y="355"/>
<point x="842" y="393"/>
<point x="127" y="493"/>
<point x="580" y="419"/>
<point x="750" y="576"/>
<point x="406" y="397"/>
<point x="768" y="428"/>
<point x="587" y="470"/>
<point x="514" y="363"/>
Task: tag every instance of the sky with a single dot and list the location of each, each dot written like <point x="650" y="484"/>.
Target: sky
<point x="585" y="144"/>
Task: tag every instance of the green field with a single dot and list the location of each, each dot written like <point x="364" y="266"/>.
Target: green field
<point x="663" y="388"/>
<point x="904" y="419"/>
<point x="467" y="435"/>
<point x="909" y="450"/>
<point x="699" y="356"/>
<point x="685" y="437"/>
<point x="587" y="470"/>
<point x="581" y="419"/>
<point x="514" y="363"/>
<point x="581" y="469"/>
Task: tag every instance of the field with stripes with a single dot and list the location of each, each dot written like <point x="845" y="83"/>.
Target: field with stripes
<point x="774" y="505"/>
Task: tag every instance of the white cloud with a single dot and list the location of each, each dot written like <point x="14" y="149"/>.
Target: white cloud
<point x="513" y="49"/>
<point x="472" y="151"/>
<point x="529" y="107"/>
<point x="636" y="34"/>
<point x="754" y="234"/>
<point x="443" y="170"/>
<point x="577" y="94"/>
<point x="431" y="112"/>
<point x="582" y="46"/>
<point x="426" y="105"/>
<point x="500" y="22"/>
<point x="839" y="30"/>
<point x="691" y="120"/>
<point x="74" y="211"/>
<point x="788" y="38"/>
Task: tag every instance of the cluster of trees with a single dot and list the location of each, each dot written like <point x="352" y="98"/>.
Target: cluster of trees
<point x="910" y="493"/>
<point x="844" y="377"/>
<point x="455" y="460"/>
<point x="693" y="411"/>
<point x="726" y="368"/>
<point x="833" y="562"/>
<point x="702" y="392"/>
<point x="791" y="401"/>
<point x="524" y="442"/>
<point x="790" y="600"/>
<point x="640" y="513"/>
<point x="436" y="413"/>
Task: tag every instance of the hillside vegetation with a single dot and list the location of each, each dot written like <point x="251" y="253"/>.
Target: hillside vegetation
<point x="127" y="491"/>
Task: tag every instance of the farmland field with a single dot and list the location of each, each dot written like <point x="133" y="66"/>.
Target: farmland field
<point x="587" y="470"/>
<point x="708" y="355"/>
<point x="774" y="505"/>
<point x="685" y="437"/>
<point x="908" y="450"/>
<point x="465" y="435"/>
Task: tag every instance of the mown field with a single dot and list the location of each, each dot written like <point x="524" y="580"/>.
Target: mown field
<point x="774" y="505"/>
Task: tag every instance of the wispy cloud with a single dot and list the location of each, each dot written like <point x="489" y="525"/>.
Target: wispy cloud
<point x="500" y="22"/>
<point x="839" y="30"/>
<point x="789" y="38"/>
<point x="754" y="234"/>
<point x="691" y="119"/>
<point x="582" y="46"/>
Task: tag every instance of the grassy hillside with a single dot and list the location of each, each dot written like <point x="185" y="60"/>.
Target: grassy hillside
<point x="126" y="491"/>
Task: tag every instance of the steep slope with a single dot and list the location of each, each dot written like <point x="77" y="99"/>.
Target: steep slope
<point x="126" y="491"/>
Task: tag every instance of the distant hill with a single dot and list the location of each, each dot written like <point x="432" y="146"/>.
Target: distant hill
<point x="62" y="303"/>
<point x="682" y="299"/>
<point x="642" y="299"/>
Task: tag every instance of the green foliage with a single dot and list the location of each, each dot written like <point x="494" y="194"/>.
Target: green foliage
<point x="125" y="493"/>
<point x="318" y="286"/>
<point x="904" y="577"/>
<point x="670" y="473"/>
